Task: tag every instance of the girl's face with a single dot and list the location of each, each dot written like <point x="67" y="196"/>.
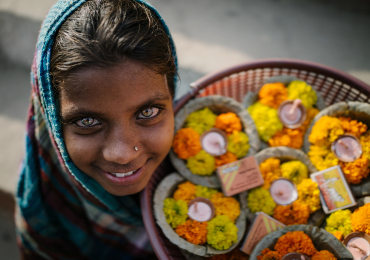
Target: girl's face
<point x="107" y="114"/>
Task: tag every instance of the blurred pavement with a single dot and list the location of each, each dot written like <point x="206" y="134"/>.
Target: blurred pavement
<point x="209" y="34"/>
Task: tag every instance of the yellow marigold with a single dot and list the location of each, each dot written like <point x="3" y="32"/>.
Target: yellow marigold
<point x="357" y="170"/>
<point x="228" y="206"/>
<point x="193" y="231"/>
<point x="185" y="191"/>
<point x="365" y="142"/>
<point x="323" y="255"/>
<point x="205" y="192"/>
<point x="322" y="157"/>
<point x="360" y="219"/>
<point x="266" y="120"/>
<point x="267" y="254"/>
<point x="234" y="254"/>
<point x="226" y="158"/>
<point x="201" y="120"/>
<point x="228" y="122"/>
<point x="303" y="91"/>
<point x="353" y="127"/>
<point x="238" y="144"/>
<point x="296" y="241"/>
<point x="175" y="211"/>
<point x="272" y="94"/>
<point x="309" y="194"/>
<point x="202" y="163"/>
<point x="260" y="199"/>
<point x="287" y="137"/>
<point x="296" y="213"/>
<point x="186" y="143"/>
<point x="296" y="171"/>
<point x="270" y="170"/>
<point x="222" y="233"/>
<point x="311" y="113"/>
<point x="339" y="223"/>
<point x="325" y="131"/>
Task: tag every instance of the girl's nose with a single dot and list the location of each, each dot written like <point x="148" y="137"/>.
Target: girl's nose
<point x="120" y="146"/>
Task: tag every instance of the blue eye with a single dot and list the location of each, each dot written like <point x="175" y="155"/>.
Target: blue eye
<point x="149" y="112"/>
<point x="87" y="122"/>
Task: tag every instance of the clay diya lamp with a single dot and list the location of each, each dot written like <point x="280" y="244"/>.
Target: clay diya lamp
<point x="201" y="209"/>
<point x="347" y="148"/>
<point x="358" y="243"/>
<point x="295" y="256"/>
<point x="214" y="142"/>
<point x="292" y="113"/>
<point x="283" y="191"/>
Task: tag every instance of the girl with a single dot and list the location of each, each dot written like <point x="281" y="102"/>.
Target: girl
<point x="100" y="122"/>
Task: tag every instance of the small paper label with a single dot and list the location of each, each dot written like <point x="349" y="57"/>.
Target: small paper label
<point x="240" y="176"/>
<point x="262" y="225"/>
<point x="335" y="192"/>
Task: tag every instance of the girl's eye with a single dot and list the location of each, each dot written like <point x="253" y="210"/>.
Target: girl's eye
<point x="149" y="112"/>
<point x="87" y="122"/>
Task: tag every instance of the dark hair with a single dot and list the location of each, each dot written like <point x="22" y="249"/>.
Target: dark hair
<point x="103" y="33"/>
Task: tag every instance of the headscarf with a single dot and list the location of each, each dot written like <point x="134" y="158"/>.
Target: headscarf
<point x="61" y="212"/>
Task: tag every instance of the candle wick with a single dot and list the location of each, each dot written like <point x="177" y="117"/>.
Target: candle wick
<point x="296" y="103"/>
<point x="342" y="143"/>
<point x="359" y="249"/>
<point x="195" y="206"/>
<point x="280" y="193"/>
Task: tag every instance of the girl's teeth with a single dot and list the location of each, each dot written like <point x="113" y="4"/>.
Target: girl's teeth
<point x="120" y="175"/>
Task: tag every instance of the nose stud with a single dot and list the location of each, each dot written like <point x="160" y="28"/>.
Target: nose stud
<point x="135" y="148"/>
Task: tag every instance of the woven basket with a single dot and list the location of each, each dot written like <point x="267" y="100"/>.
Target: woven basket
<point x="235" y="82"/>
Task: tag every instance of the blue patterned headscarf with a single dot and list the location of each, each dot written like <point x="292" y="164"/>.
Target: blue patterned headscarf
<point x="63" y="213"/>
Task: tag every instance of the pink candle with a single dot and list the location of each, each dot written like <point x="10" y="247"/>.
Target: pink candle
<point x="347" y="148"/>
<point x="214" y="142"/>
<point x="292" y="114"/>
<point x="359" y="248"/>
<point x="283" y="191"/>
<point x="295" y="256"/>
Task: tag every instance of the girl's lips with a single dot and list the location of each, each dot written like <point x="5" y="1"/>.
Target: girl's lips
<point x="129" y="177"/>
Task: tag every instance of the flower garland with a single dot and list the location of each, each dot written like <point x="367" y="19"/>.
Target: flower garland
<point x="222" y="233"/>
<point x="238" y="144"/>
<point x="193" y="231"/>
<point x="186" y="192"/>
<point x="201" y="120"/>
<point x="295" y="213"/>
<point x="202" y="163"/>
<point x="175" y="211"/>
<point x="229" y="122"/>
<point x="273" y="94"/>
<point x="323" y="255"/>
<point x="309" y="194"/>
<point x="268" y="254"/>
<point x="339" y="223"/>
<point x="360" y="219"/>
<point x="228" y="206"/>
<point x="226" y="158"/>
<point x="270" y="170"/>
<point x="303" y="91"/>
<point x="296" y="171"/>
<point x="186" y="143"/>
<point x="259" y="199"/>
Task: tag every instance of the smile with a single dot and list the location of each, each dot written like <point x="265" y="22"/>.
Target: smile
<point x="120" y="175"/>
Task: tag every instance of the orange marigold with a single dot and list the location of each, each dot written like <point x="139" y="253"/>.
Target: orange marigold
<point x="296" y="213"/>
<point x="270" y="170"/>
<point x="338" y="234"/>
<point x="323" y="255"/>
<point x="353" y="127"/>
<point x="287" y="137"/>
<point x="267" y="254"/>
<point x="193" y="231"/>
<point x="272" y="94"/>
<point x="186" y="143"/>
<point x="228" y="157"/>
<point x="360" y="219"/>
<point x="357" y="170"/>
<point x="228" y="122"/>
<point x="235" y="254"/>
<point x="228" y="206"/>
<point x="296" y="241"/>
<point x="185" y="191"/>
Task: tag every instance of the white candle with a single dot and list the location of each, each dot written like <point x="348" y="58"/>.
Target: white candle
<point x="359" y="248"/>
<point x="292" y="113"/>
<point x="347" y="148"/>
<point x="283" y="191"/>
<point x="200" y="211"/>
<point x="213" y="142"/>
<point x="295" y="256"/>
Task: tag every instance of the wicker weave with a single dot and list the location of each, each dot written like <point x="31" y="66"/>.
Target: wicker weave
<point x="235" y="82"/>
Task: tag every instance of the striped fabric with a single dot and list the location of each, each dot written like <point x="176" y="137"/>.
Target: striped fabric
<point x="61" y="212"/>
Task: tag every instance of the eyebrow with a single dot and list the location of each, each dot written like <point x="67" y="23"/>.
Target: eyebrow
<point x="156" y="97"/>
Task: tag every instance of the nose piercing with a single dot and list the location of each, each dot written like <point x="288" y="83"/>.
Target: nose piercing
<point x="136" y="148"/>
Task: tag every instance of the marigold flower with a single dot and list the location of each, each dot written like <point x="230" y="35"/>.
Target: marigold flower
<point x="365" y="142"/>
<point x="201" y="120"/>
<point x="325" y="131"/>
<point x="339" y="223"/>
<point x="272" y="94"/>
<point x="296" y="241"/>
<point x="303" y="91"/>
<point x="322" y="157"/>
<point x="186" y="143"/>
<point x="238" y="144"/>
<point x="202" y="163"/>
<point x="234" y="254"/>
<point x="323" y="255"/>
<point x="266" y="119"/>
<point x="228" y="206"/>
<point x="360" y="219"/>
<point x="222" y="232"/>
<point x="296" y="171"/>
<point x="175" y="211"/>
<point x="311" y="113"/>
<point x="193" y="231"/>
<point x="259" y="199"/>
<point x="309" y="194"/>
<point x="296" y="213"/>
<point x="229" y="122"/>
<point x="353" y="127"/>
<point x="355" y="171"/>
<point x="185" y="191"/>
<point x="287" y="137"/>
<point x="204" y="192"/>
<point x="267" y="254"/>
<point x="226" y="158"/>
<point x="270" y="170"/>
